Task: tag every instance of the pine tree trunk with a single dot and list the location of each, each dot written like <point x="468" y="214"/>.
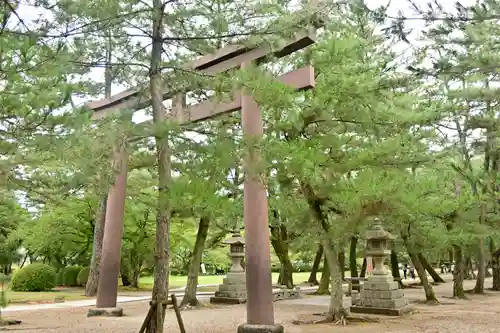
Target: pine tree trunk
<point x="336" y="309"/>
<point x="481" y="269"/>
<point x="495" y="266"/>
<point x="134" y="283"/>
<point x="125" y="275"/>
<point x="317" y="260"/>
<point x="353" y="265"/>
<point x="281" y="276"/>
<point x="435" y="276"/>
<point x="495" y="270"/>
<point x="341" y="263"/>
<point x="162" y="248"/>
<point x="363" y="268"/>
<point x="93" y="279"/>
<point x="194" y="266"/>
<point x="395" y="268"/>
<point x="278" y="241"/>
<point x="429" y="291"/>
<point x="324" y="283"/>
<point x="458" y="273"/>
<point x="487" y="273"/>
<point x="469" y="272"/>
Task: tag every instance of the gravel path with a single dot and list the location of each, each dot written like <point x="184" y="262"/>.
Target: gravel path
<point x="480" y="314"/>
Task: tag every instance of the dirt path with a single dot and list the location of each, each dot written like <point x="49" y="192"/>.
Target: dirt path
<point x="480" y="314"/>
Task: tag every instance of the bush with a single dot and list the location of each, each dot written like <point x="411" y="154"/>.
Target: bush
<point x="70" y="275"/>
<point x="34" y="277"/>
<point x="83" y="276"/>
<point x="301" y="266"/>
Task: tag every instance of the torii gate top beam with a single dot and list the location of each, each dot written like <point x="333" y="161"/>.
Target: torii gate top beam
<point x="224" y="59"/>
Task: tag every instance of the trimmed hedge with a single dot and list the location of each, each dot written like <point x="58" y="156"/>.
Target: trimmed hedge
<point x="70" y="275"/>
<point x="34" y="277"/>
<point x="83" y="276"/>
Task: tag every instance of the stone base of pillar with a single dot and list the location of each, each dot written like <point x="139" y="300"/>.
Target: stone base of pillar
<point x="105" y="312"/>
<point x="248" y="328"/>
<point x="233" y="289"/>
<point x="380" y="294"/>
<point x="407" y="309"/>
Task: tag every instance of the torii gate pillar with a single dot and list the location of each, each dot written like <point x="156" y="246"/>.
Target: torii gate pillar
<point x="255" y="211"/>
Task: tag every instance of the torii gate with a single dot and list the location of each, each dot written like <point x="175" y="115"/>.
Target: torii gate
<point x="258" y="269"/>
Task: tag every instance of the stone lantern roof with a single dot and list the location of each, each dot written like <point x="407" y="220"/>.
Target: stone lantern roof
<point x="378" y="232"/>
<point x="235" y="239"/>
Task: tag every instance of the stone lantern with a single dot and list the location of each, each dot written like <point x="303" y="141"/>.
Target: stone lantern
<point x="233" y="288"/>
<point x="236" y="252"/>
<point x="378" y="246"/>
<point x="380" y="294"/>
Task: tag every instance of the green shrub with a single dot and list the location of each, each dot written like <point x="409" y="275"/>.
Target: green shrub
<point x="34" y="277"/>
<point x="301" y="266"/>
<point x="70" y="275"/>
<point x="83" y="276"/>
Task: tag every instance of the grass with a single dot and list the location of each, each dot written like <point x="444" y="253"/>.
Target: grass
<point x="175" y="282"/>
<point x="145" y="283"/>
<point x="22" y="297"/>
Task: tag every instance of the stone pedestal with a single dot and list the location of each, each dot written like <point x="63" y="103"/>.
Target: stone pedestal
<point x="105" y="312"/>
<point x="381" y="295"/>
<point x="355" y="296"/>
<point x="233" y="289"/>
<point x="285" y="293"/>
<point x="249" y="328"/>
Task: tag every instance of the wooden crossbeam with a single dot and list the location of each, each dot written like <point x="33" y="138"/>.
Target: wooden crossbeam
<point x="223" y="60"/>
<point x="299" y="79"/>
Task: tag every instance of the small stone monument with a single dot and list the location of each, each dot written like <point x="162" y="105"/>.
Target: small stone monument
<point x="233" y="288"/>
<point x="380" y="293"/>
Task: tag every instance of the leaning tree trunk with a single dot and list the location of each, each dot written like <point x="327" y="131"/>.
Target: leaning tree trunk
<point x="336" y="309"/>
<point x="395" y="268"/>
<point x="481" y="269"/>
<point x="317" y="260"/>
<point x="363" y="268"/>
<point x="458" y="273"/>
<point x="93" y="278"/>
<point x="278" y="241"/>
<point x="435" y="276"/>
<point x="429" y="291"/>
<point x="194" y="265"/>
<point x="324" y="283"/>
<point x="353" y="265"/>
<point x="162" y="246"/>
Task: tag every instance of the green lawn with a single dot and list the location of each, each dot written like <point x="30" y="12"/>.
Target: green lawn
<point x="21" y="297"/>
<point x="146" y="282"/>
